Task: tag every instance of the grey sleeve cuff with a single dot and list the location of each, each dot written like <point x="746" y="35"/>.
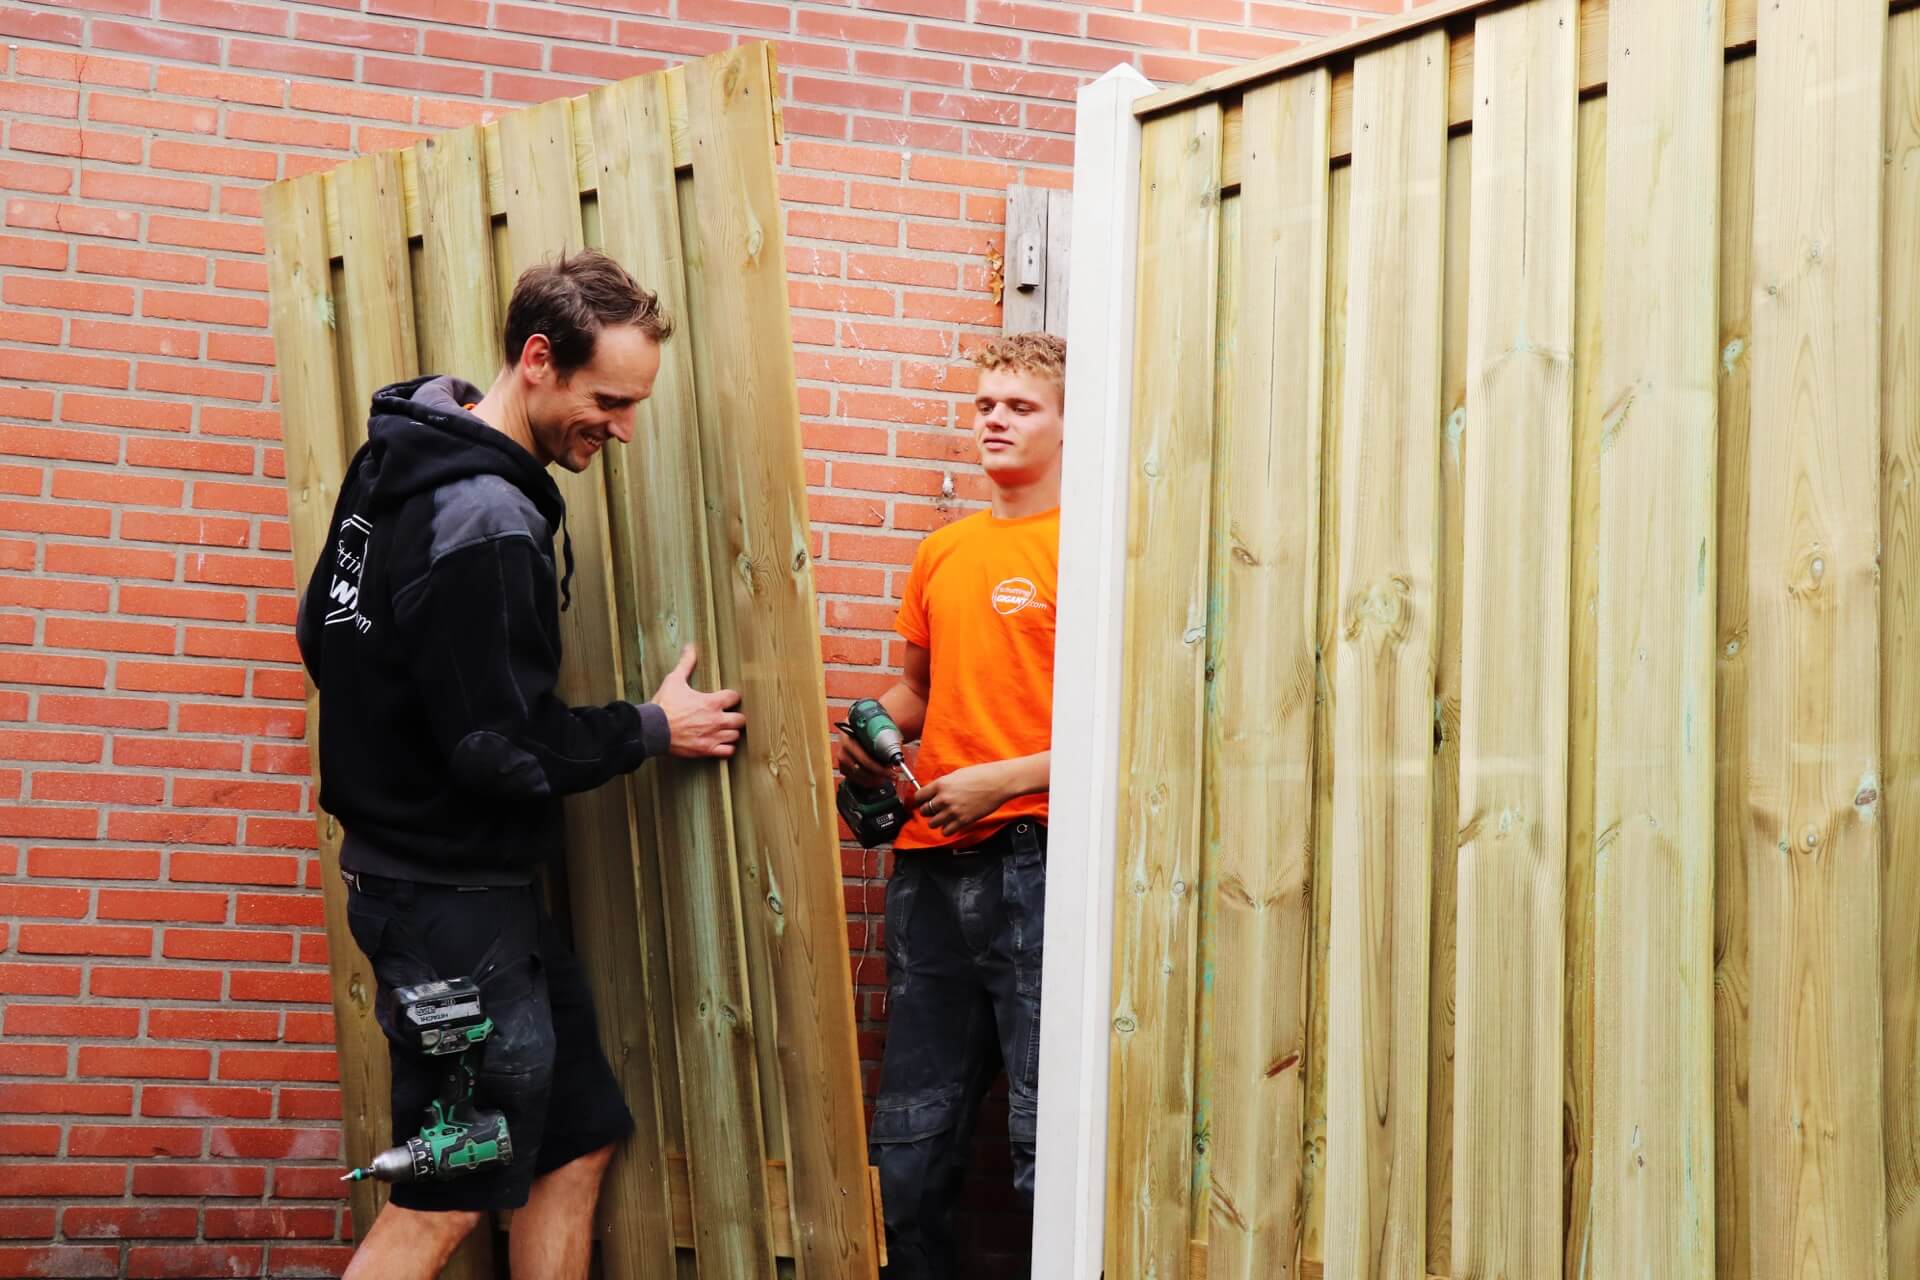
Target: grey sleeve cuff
<point x="655" y="736"/>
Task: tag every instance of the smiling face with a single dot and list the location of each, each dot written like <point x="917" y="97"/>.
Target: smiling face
<point x="1017" y="426"/>
<point x="572" y="416"/>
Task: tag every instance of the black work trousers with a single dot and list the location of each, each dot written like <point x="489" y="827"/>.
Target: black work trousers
<point x="964" y="939"/>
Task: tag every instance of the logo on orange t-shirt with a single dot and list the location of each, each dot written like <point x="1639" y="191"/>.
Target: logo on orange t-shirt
<point x="1013" y="595"/>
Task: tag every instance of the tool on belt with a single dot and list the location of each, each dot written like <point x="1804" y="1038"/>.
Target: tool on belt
<point x="457" y="1137"/>
<point x="874" y="814"/>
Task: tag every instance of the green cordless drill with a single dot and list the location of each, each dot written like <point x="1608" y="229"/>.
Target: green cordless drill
<point x="874" y="814"/>
<point x="444" y="1019"/>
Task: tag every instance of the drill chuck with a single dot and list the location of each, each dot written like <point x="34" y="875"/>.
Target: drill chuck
<point x="395" y="1164"/>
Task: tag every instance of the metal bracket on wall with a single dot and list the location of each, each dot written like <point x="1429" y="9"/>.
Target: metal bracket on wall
<point x="1039" y="229"/>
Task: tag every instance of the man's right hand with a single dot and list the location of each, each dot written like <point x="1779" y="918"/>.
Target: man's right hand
<point x="856" y="765"/>
<point x="702" y="725"/>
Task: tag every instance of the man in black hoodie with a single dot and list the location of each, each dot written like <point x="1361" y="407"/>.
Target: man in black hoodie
<point x="431" y="628"/>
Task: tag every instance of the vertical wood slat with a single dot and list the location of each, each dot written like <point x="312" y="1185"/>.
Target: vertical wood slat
<point x="747" y="844"/>
<point x="713" y="1010"/>
<point x="1208" y="958"/>
<point x="543" y="219"/>
<point x="459" y="324"/>
<point x="1900" y="645"/>
<point x="1819" y="1205"/>
<point x="1444" y="782"/>
<point x="376" y="324"/>
<point x="1653" y="1184"/>
<point x="315" y="419"/>
<point x="1389" y="524"/>
<point x="1731" y="985"/>
<point x="1313" y="1159"/>
<point x="1150" y="1099"/>
<point x="1514" y="728"/>
<point x="1589" y="412"/>
<point x="621" y="918"/>
<point x="1265" y="574"/>
<point x="751" y="460"/>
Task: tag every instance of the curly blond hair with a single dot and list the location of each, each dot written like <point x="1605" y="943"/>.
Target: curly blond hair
<point x="1041" y="355"/>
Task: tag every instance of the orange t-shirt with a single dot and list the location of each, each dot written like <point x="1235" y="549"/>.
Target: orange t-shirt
<point x="980" y="600"/>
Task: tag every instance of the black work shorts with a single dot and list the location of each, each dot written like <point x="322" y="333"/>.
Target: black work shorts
<point x="542" y="1066"/>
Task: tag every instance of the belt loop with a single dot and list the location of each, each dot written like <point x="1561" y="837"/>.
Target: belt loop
<point x="1025" y="839"/>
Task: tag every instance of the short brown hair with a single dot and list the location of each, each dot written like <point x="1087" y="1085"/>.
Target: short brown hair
<point x="573" y="298"/>
<point x="1042" y="355"/>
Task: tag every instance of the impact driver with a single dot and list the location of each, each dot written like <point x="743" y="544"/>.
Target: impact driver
<point x="445" y="1020"/>
<point x="874" y="814"/>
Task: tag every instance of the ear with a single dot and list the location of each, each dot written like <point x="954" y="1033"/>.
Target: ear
<point x="536" y="359"/>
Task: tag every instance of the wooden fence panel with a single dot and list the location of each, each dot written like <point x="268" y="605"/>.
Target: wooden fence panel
<point x="1514" y="732"/>
<point x="1383" y="727"/>
<point x="1662" y="503"/>
<point x="412" y="233"/>
<point x="1819" y="1205"/>
<point x="1150" y="1148"/>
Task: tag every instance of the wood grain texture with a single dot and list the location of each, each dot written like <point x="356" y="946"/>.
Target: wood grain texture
<point x="1313" y="1159"/>
<point x="1209" y="960"/>
<point x="1731" y="984"/>
<point x="766" y="641"/>
<point x="1449" y="580"/>
<point x="1150" y="1138"/>
<point x="692" y="841"/>
<point x="1266" y="557"/>
<point x="376" y="328"/>
<point x="1813" y="716"/>
<point x="1900" y="645"/>
<point x="1589" y="414"/>
<point x="1389" y="526"/>
<point x="458" y="324"/>
<point x="1514" y="726"/>
<point x="1653" y="1197"/>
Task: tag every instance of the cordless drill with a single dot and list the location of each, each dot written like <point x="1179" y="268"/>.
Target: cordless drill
<point x="874" y="814"/>
<point x="445" y="1020"/>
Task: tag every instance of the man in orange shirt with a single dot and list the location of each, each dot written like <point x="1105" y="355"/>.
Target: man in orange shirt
<point x="967" y="898"/>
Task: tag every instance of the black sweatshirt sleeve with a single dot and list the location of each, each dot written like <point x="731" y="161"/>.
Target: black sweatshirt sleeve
<point x="486" y="670"/>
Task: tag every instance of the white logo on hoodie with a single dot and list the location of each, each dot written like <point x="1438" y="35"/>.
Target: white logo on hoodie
<point x="349" y="560"/>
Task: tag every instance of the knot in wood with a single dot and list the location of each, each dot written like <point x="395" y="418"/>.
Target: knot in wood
<point x="1382" y="612"/>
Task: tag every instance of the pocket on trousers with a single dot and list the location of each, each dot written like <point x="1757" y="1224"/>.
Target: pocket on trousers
<point x="368" y="922"/>
<point x="915" y="1117"/>
<point x="1025" y="897"/>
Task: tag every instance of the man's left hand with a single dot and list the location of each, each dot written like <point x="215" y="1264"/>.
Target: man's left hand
<point x="955" y="802"/>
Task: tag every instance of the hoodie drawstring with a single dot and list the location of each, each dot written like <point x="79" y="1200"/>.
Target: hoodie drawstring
<point x="566" y="551"/>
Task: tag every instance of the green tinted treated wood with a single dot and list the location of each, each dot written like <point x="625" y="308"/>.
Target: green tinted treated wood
<point x="1514" y="727"/>
<point x="759" y="540"/>
<point x="1653" y="1188"/>
<point x="1266" y="555"/>
<point x="1150" y="1091"/>
<point x="1384" y="683"/>
<point x="659" y="484"/>
<point x="1813" y="713"/>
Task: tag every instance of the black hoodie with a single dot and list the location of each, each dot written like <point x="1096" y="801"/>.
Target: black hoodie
<point x="431" y="630"/>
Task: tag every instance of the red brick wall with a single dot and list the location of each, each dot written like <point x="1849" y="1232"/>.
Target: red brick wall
<point x="166" y="1096"/>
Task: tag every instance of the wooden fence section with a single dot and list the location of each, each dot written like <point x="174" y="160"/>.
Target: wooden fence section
<point x="704" y="900"/>
<point x="1520" y="783"/>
